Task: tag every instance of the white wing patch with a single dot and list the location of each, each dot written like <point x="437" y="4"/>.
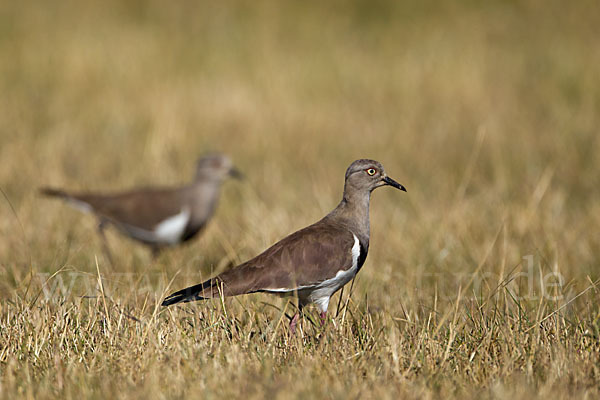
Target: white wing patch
<point x="286" y="290"/>
<point x="355" y="255"/>
<point x="171" y="229"/>
<point x="79" y="205"/>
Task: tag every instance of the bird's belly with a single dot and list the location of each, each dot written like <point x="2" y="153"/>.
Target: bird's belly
<point x="321" y="293"/>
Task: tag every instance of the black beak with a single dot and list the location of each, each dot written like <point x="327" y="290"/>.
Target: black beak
<point x="235" y="173"/>
<point x="393" y="183"/>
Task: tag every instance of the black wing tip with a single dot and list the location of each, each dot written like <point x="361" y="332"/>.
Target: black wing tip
<point x="182" y="296"/>
<point x="170" y="300"/>
<point x="186" y="295"/>
<point x="51" y="192"/>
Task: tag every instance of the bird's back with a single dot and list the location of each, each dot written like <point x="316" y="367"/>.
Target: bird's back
<point x="303" y="259"/>
<point x="142" y="208"/>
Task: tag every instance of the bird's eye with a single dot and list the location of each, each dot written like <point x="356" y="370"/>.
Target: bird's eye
<point x="371" y="171"/>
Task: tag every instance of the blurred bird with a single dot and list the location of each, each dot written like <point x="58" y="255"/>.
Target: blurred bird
<point x="158" y="217"/>
<point x="312" y="263"/>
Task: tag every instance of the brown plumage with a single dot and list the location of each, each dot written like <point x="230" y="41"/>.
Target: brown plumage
<point x="312" y="263"/>
<point x="158" y="217"/>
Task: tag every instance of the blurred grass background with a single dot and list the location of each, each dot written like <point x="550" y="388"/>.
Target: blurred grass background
<point x="487" y="112"/>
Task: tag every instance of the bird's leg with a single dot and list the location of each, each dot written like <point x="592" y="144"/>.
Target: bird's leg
<point x="296" y="318"/>
<point x="101" y="227"/>
<point x="294" y="322"/>
<point x="155" y="252"/>
<point x="323" y="317"/>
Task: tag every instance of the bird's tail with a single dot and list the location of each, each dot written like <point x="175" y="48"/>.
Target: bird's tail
<point x="52" y="192"/>
<point x="73" y="200"/>
<point x="201" y="291"/>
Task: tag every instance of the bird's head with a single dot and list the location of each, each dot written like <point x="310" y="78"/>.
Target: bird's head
<point x="368" y="175"/>
<point x="216" y="167"/>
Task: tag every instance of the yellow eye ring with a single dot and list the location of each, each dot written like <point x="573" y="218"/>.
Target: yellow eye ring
<point x="371" y="171"/>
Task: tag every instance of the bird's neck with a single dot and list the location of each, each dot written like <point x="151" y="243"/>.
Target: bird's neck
<point x="204" y="197"/>
<point x="353" y="212"/>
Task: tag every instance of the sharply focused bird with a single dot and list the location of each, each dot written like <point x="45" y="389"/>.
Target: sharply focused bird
<point x="158" y="217"/>
<point x="312" y="263"/>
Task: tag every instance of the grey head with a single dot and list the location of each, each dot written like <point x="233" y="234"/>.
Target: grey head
<point x="364" y="175"/>
<point x="215" y="167"/>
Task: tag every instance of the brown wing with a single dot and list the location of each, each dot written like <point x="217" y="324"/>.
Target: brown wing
<point x="303" y="259"/>
<point x="142" y="208"/>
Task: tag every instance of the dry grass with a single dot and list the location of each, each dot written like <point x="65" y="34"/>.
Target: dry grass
<point x="480" y="282"/>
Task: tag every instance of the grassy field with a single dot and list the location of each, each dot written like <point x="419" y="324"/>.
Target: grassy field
<point x="481" y="281"/>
